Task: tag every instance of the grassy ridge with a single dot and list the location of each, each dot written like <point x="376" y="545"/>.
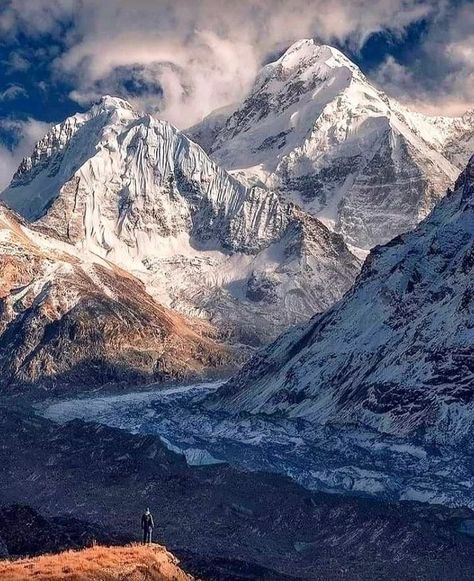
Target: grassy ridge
<point x="99" y="563"/>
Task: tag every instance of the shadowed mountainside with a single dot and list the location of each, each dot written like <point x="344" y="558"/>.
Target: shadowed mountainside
<point x="396" y="353"/>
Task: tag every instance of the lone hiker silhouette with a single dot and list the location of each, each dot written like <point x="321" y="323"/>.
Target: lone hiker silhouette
<point x="147" y="526"/>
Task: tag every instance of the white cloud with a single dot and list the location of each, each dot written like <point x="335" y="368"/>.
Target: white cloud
<point x="12" y="92"/>
<point x="439" y="77"/>
<point x="188" y="57"/>
<point x="27" y="134"/>
<point x="204" y="54"/>
<point x="36" y="17"/>
<point x="194" y="78"/>
<point x="16" y="62"/>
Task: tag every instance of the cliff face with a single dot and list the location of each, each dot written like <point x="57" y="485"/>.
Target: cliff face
<point x="82" y="321"/>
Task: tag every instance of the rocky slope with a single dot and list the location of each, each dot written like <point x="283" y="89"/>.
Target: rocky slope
<point x="23" y="531"/>
<point x="396" y="354"/>
<point x="73" y="318"/>
<point x="460" y="138"/>
<point x="314" y="129"/>
<point x="135" y="190"/>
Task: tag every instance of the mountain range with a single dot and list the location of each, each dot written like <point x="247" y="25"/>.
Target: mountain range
<point x="136" y="191"/>
<point x="317" y="241"/>
<point x="225" y="235"/>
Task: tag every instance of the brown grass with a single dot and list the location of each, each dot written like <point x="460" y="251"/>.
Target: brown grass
<point x="99" y="563"/>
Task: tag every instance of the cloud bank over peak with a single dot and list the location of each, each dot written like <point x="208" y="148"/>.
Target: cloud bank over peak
<point x="439" y="76"/>
<point x="182" y="58"/>
<point x="183" y="82"/>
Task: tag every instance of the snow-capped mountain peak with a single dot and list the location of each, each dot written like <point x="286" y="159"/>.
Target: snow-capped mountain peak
<point x="306" y="56"/>
<point x="138" y="191"/>
<point x="110" y="102"/>
<point x="62" y="151"/>
<point x="314" y="129"/>
<point x="288" y="92"/>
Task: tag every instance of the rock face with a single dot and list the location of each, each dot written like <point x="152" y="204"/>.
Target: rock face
<point x="396" y="354"/>
<point x="85" y="322"/>
<point x="314" y="129"/>
<point x="135" y="190"/>
<point x="460" y="140"/>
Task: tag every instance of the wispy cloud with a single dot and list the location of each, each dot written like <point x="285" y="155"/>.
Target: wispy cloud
<point x="183" y="58"/>
<point x="16" y="62"/>
<point x="439" y="76"/>
<point x="12" y="92"/>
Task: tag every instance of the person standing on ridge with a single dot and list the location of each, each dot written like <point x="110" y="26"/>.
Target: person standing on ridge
<point x="147" y="526"/>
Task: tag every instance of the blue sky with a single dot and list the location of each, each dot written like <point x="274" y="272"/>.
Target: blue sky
<point x="182" y="58"/>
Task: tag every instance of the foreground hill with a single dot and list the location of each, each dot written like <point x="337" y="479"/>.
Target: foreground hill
<point x="135" y="190"/>
<point x="313" y="128"/>
<point x="130" y="563"/>
<point x="396" y="354"/>
<point x="72" y="318"/>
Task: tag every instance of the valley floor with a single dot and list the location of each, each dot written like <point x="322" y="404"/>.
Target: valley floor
<point x="224" y="503"/>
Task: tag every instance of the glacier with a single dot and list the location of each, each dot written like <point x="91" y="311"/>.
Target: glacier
<point x="352" y="461"/>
